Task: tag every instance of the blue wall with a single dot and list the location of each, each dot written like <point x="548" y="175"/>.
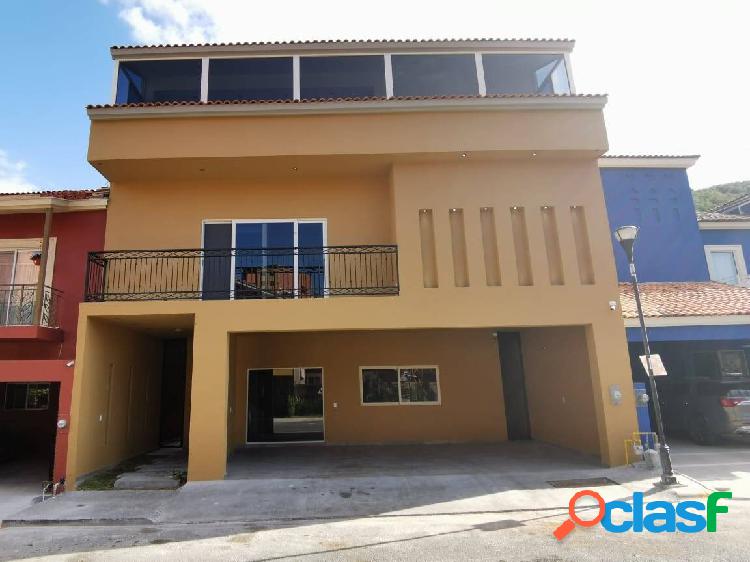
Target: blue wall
<point x="659" y="201"/>
<point x="694" y="333"/>
<point x="729" y="237"/>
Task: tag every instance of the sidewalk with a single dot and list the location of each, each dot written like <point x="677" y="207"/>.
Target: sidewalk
<point x="284" y="499"/>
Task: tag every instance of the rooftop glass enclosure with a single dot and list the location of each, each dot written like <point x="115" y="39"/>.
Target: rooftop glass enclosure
<point x="340" y="76"/>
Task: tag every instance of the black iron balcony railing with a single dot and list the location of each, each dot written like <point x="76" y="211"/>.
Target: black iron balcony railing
<point x="17" y="306"/>
<point x="242" y="273"/>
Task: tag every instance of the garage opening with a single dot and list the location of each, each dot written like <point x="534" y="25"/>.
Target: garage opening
<point x="28" y="428"/>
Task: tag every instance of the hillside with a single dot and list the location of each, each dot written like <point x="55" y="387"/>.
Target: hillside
<point x="708" y="198"/>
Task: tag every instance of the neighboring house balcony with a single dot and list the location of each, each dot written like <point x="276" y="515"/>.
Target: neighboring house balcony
<point x="242" y="273"/>
<point x="29" y="314"/>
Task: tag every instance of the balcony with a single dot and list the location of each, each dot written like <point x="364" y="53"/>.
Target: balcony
<point x="17" y="318"/>
<point x="242" y="273"/>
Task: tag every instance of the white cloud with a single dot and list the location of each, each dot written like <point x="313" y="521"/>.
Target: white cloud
<point x="168" y="21"/>
<point x="12" y="177"/>
<point x="674" y="69"/>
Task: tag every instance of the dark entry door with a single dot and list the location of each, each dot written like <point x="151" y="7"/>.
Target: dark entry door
<point x="260" y="404"/>
<point x="514" y="386"/>
<point x="173" y="382"/>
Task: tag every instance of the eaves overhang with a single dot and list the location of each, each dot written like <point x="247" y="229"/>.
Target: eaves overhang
<point x="365" y="46"/>
<point x="41" y="204"/>
<point x="338" y="106"/>
<point x="648" y="161"/>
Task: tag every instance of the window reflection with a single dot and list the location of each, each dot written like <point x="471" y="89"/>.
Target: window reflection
<point x="525" y="74"/>
<point x="434" y="75"/>
<point x="250" y="79"/>
<point x="159" y="81"/>
<point x="342" y="77"/>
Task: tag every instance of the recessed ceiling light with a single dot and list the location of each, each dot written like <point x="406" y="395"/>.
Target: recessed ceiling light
<point x="533" y="153"/>
<point x="464" y="155"/>
<point x="295" y="168"/>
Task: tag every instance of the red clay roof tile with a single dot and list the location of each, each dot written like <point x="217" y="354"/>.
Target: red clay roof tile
<point x="68" y="194"/>
<point x="707" y="298"/>
<point x="338" y="42"/>
<point x="351" y="99"/>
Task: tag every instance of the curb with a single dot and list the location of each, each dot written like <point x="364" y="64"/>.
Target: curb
<point x="74" y="522"/>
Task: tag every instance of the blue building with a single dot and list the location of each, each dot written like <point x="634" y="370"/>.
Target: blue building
<point x="725" y="231"/>
<point x="693" y="276"/>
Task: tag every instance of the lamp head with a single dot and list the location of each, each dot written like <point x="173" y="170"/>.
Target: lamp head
<point x="626" y="236"/>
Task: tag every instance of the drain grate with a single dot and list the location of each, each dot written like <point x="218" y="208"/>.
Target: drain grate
<point x="581" y="482"/>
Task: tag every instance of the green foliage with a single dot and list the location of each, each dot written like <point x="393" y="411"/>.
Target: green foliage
<point x="105" y="479"/>
<point x="706" y="199"/>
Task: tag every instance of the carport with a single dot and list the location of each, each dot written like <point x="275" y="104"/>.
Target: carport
<point x="307" y="461"/>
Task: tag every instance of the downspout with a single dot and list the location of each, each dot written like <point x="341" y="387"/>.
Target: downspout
<point x="39" y="295"/>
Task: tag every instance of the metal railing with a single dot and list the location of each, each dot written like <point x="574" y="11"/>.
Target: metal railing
<point x="17" y="306"/>
<point x="242" y="273"/>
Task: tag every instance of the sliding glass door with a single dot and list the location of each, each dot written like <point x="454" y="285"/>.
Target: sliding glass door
<point x="272" y="259"/>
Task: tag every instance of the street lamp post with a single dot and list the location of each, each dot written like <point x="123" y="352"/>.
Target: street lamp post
<point x="626" y="236"/>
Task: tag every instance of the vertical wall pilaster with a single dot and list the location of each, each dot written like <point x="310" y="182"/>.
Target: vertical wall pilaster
<point x="610" y="365"/>
<point x="209" y="395"/>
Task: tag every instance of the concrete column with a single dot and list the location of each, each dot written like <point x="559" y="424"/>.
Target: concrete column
<point x="207" y="455"/>
<point x="609" y="362"/>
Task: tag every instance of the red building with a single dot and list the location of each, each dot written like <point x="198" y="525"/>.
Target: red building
<point x="44" y="241"/>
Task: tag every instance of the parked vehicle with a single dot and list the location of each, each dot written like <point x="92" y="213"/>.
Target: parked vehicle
<point x="706" y="409"/>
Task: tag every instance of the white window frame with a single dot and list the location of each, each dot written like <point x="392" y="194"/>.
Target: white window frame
<point x="26" y="244"/>
<point x="26" y="403"/>
<point x="744" y="362"/>
<point x="388" y="67"/>
<point x="398" y="369"/>
<point x="295" y="222"/>
<point x="739" y="260"/>
<point x="247" y="406"/>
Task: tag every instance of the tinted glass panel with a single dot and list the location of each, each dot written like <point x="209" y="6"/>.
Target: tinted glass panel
<point x="379" y="385"/>
<point x="434" y="75"/>
<point x="525" y="74"/>
<point x="217" y="266"/>
<point x="250" y="79"/>
<point x="264" y="264"/>
<point x="341" y="77"/>
<point x="159" y="80"/>
<point x="418" y="385"/>
<point x="38" y="397"/>
<point x="15" y="396"/>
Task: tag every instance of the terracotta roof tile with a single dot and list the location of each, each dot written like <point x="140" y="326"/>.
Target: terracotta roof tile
<point x="68" y="194"/>
<point x="706" y="298"/>
<point x="340" y="100"/>
<point x="711" y="216"/>
<point x="650" y="156"/>
<point x="338" y="42"/>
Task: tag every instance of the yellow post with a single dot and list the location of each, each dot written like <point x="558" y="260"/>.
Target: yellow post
<point x="610" y="365"/>
<point x="209" y="396"/>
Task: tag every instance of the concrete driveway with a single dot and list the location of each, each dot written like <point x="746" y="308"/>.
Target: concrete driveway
<point x="20" y="484"/>
<point x="436" y="502"/>
<point x="720" y="466"/>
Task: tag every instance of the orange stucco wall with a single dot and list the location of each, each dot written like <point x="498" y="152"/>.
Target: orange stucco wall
<point x="369" y="176"/>
<point x="559" y="390"/>
<point x="471" y="407"/>
<point x="116" y="398"/>
<point x="170" y="213"/>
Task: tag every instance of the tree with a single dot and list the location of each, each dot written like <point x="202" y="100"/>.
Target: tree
<point x="707" y="199"/>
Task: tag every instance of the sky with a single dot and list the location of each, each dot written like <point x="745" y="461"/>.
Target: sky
<point x="676" y="71"/>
